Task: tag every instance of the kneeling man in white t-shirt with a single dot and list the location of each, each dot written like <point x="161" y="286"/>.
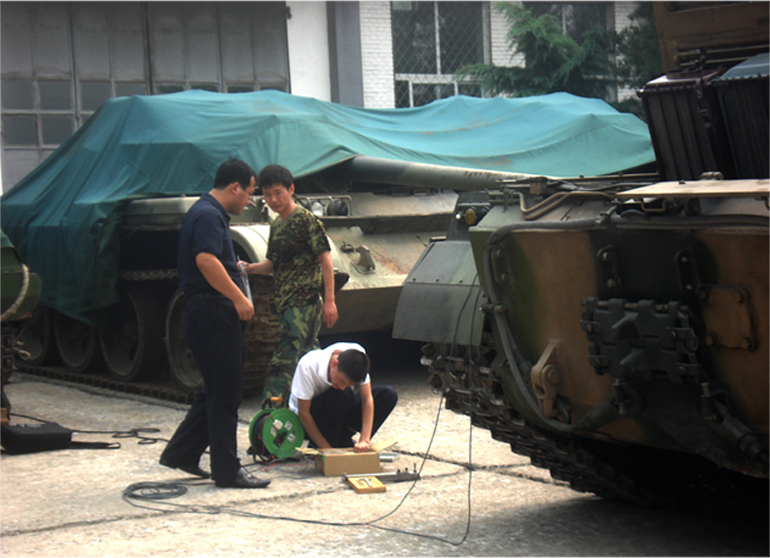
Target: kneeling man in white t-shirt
<point x="330" y="410"/>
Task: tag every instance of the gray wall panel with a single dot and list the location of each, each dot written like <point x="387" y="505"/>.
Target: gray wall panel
<point x="16" y="46"/>
<point x="200" y="27"/>
<point x="237" y="40"/>
<point x="90" y="38"/>
<point x="52" y="52"/>
<point x="116" y="45"/>
<point x="167" y="41"/>
<point x="127" y="41"/>
<point x="270" y="48"/>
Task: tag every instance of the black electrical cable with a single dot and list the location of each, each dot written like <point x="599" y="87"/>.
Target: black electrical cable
<point x="154" y="490"/>
<point x="285" y="466"/>
<point x="133" y="433"/>
<point x="131" y="492"/>
<point x="129" y="495"/>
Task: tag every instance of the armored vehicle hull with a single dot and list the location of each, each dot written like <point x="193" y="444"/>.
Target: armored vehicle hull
<point x="619" y="339"/>
<point x="615" y="329"/>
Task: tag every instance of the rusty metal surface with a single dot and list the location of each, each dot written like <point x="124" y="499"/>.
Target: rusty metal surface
<point x="719" y="32"/>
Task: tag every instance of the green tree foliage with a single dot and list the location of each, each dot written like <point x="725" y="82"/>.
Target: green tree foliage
<point x="638" y="56"/>
<point x="638" y="46"/>
<point x="555" y="61"/>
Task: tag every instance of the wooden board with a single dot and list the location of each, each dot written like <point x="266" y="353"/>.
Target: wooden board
<point x="701" y="189"/>
<point x="365" y="485"/>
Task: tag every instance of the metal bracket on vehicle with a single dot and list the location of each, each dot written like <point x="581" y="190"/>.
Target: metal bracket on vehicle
<point x="365" y="263"/>
<point x="609" y="267"/>
<point x="545" y="379"/>
<point x="687" y="271"/>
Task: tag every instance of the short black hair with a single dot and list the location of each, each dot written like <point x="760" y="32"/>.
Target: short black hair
<point x="233" y="170"/>
<point x="274" y="174"/>
<point x="354" y="364"/>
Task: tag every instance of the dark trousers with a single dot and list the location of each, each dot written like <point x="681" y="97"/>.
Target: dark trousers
<point x="215" y="334"/>
<point x="337" y="412"/>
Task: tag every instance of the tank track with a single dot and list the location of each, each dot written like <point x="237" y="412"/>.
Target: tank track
<point x="163" y="391"/>
<point x="262" y="334"/>
<point x="475" y="390"/>
<point x="9" y="351"/>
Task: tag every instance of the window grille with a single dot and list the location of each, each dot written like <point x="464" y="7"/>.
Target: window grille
<point x="61" y="61"/>
<point x="431" y="41"/>
<point x="576" y="18"/>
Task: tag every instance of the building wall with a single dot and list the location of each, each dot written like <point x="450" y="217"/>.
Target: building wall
<point x="345" y="69"/>
<point x="622" y="12"/>
<point x="377" y="54"/>
<point x="502" y="54"/>
<point x="308" y="40"/>
<point x="62" y="60"/>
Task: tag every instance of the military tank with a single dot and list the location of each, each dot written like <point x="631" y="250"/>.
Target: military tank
<point x="20" y="295"/>
<point x="615" y="329"/>
<point x="100" y="217"/>
<point x="379" y="215"/>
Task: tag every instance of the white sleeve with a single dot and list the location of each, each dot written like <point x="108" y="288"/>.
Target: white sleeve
<point x="302" y="385"/>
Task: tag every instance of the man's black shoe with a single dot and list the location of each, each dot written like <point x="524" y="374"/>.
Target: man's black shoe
<point x="193" y="470"/>
<point x="243" y="479"/>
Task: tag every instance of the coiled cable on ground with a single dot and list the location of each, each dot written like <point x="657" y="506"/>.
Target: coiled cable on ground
<point x="154" y="491"/>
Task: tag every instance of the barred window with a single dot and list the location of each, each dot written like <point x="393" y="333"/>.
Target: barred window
<point x="576" y="18"/>
<point x="62" y="60"/>
<point x="431" y="41"/>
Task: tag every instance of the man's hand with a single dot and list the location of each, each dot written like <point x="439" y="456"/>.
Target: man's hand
<point x="330" y="314"/>
<point x="361" y="446"/>
<point x="216" y="275"/>
<point x="327" y="271"/>
<point x="308" y="423"/>
<point x="265" y="267"/>
<point x="245" y="309"/>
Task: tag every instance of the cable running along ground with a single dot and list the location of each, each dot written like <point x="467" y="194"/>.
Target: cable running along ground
<point x="157" y="492"/>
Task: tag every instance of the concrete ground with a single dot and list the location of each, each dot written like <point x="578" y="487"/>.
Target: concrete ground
<point x="70" y="502"/>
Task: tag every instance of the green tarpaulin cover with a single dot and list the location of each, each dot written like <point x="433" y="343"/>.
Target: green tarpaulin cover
<point x="63" y="216"/>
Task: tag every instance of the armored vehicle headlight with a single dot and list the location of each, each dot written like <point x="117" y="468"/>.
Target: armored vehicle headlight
<point x="317" y="208"/>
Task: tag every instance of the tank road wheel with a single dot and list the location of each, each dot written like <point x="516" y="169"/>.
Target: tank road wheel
<point x="78" y="344"/>
<point x="37" y="339"/>
<point x="131" y="343"/>
<point x="261" y="336"/>
<point x="180" y="358"/>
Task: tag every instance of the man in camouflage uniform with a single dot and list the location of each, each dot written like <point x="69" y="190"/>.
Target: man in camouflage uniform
<point x="299" y="257"/>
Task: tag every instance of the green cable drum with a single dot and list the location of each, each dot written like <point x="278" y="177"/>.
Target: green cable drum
<point x="275" y="433"/>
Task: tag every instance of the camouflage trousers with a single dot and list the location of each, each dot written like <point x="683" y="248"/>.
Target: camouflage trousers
<point x="299" y="329"/>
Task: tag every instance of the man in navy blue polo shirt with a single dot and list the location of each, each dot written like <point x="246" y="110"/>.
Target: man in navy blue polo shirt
<point x="216" y="311"/>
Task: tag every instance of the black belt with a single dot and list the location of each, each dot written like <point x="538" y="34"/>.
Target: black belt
<point x="200" y="296"/>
